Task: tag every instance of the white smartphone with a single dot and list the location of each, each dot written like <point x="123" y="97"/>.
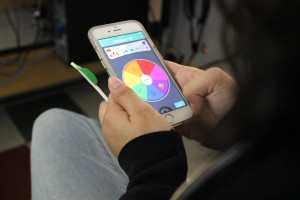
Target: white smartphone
<point x="127" y="52"/>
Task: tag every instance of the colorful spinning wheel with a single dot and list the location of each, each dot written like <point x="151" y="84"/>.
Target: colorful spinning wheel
<point x="147" y="79"/>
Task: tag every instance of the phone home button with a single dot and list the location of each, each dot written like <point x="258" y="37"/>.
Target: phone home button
<point x="169" y="118"/>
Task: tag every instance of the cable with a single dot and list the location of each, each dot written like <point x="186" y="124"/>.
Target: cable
<point x="15" y="26"/>
<point x="22" y="57"/>
<point x="15" y="29"/>
<point x="231" y="58"/>
<point x="189" y="10"/>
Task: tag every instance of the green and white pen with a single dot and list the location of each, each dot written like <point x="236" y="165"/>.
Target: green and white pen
<point x="90" y="77"/>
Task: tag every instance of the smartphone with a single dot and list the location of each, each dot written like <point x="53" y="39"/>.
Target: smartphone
<point x="126" y="51"/>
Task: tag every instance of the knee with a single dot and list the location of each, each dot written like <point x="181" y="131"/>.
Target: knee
<point x="46" y="126"/>
<point x="48" y="119"/>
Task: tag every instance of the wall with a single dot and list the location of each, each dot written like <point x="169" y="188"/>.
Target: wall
<point x="177" y="36"/>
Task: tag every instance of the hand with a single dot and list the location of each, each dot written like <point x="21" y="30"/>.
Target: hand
<point x="211" y="93"/>
<point x="125" y="116"/>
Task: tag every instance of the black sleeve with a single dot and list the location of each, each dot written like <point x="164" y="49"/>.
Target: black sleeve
<point x="155" y="164"/>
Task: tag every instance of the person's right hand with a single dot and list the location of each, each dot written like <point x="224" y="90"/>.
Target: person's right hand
<point x="211" y="92"/>
<point x="125" y="116"/>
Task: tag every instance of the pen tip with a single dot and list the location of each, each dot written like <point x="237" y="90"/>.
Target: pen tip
<point x="73" y="64"/>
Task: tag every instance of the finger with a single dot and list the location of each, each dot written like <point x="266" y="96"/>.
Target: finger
<point x="195" y="92"/>
<point x="102" y="110"/>
<point x="183" y="74"/>
<point x="196" y="87"/>
<point x="196" y="103"/>
<point x="173" y="67"/>
<point x="123" y="95"/>
<point x="114" y="108"/>
<point x="110" y="110"/>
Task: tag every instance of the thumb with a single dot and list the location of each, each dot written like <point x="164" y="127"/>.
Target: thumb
<point x="123" y="95"/>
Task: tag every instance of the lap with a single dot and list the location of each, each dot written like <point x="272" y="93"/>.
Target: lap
<point x="70" y="159"/>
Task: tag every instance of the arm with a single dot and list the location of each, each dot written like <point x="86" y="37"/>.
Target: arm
<point x="155" y="164"/>
<point x="149" y="151"/>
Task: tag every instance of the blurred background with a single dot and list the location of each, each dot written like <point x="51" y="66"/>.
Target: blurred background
<point x="38" y="40"/>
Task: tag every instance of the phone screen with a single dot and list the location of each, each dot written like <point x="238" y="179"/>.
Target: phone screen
<point x="137" y="65"/>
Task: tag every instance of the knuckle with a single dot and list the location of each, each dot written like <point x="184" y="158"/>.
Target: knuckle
<point x="107" y="119"/>
<point x="215" y="73"/>
<point x="144" y="109"/>
<point x="102" y="105"/>
<point x="124" y="93"/>
<point x="215" y="70"/>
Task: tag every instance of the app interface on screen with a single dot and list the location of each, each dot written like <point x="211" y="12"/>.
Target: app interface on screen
<point x="136" y="64"/>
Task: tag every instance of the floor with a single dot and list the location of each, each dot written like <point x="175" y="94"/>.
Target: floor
<point x="82" y="95"/>
<point x="87" y="99"/>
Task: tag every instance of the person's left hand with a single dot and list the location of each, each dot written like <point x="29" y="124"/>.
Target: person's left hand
<point x="125" y="116"/>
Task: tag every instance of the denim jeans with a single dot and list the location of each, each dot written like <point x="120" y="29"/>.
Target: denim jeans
<point x="70" y="159"/>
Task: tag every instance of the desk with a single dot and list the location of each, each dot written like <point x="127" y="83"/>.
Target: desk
<point x="46" y="73"/>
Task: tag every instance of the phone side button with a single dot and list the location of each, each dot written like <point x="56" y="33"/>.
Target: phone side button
<point x="109" y="72"/>
<point x="169" y="118"/>
<point x="102" y="64"/>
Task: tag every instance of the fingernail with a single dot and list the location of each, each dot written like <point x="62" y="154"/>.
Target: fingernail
<point x="114" y="82"/>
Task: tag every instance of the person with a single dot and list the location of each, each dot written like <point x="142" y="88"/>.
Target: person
<point x="134" y="153"/>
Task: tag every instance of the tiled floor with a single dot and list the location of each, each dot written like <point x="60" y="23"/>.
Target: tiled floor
<point x="88" y="100"/>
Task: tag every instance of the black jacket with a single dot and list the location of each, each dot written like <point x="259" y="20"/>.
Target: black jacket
<point x="261" y="163"/>
<point x="156" y="165"/>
